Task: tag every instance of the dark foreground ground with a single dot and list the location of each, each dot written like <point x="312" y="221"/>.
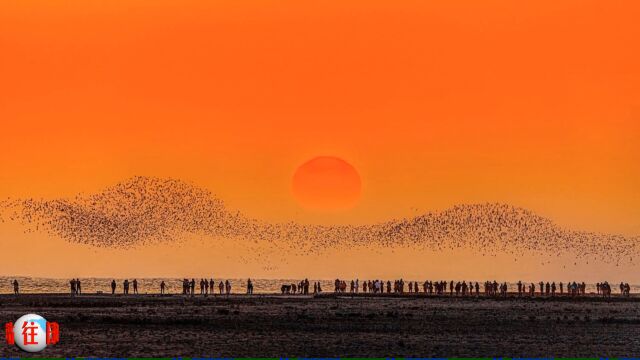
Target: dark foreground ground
<point x="365" y="326"/>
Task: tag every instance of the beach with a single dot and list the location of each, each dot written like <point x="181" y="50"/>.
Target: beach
<point x="332" y="325"/>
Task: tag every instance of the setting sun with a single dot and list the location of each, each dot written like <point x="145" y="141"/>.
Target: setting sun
<point x="326" y="183"/>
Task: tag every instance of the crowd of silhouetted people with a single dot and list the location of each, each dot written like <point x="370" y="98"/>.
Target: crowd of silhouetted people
<point x="300" y="288"/>
<point x="207" y="287"/>
<point x="400" y="286"/>
<point x="464" y="288"/>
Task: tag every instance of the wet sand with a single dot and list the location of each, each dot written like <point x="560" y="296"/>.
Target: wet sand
<point x="332" y="326"/>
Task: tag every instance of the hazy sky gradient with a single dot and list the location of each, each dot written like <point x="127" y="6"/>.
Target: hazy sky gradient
<point x="532" y="103"/>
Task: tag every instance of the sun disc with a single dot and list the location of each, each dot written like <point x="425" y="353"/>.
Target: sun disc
<point x="326" y="183"/>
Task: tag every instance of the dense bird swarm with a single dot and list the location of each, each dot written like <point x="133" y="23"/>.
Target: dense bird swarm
<point x="146" y="210"/>
<point x="133" y="212"/>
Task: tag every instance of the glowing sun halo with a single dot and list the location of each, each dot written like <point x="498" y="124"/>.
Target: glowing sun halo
<point x="326" y="183"/>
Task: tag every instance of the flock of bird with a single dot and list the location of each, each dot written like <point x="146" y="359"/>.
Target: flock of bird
<point x="145" y="210"/>
<point x="137" y="211"/>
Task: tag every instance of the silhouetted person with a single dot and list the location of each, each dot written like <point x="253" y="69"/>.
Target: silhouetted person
<point x="249" y="287"/>
<point x="72" y="284"/>
<point x="125" y="287"/>
<point x="113" y="287"/>
<point x="135" y="286"/>
<point x="16" y="287"/>
<point x="221" y="287"/>
<point x="162" y="286"/>
<point x="78" y="287"/>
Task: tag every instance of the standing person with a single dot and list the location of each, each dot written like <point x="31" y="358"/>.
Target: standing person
<point x="227" y="286"/>
<point x="113" y="287"/>
<point x="72" y="284"/>
<point x="162" y="286"/>
<point x="212" y="285"/>
<point x="561" y="289"/>
<point x="78" y="286"/>
<point x="135" y="286"/>
<point x="192" y="286"/>
<point x="249" y="287"/>
<point x="357" y="285"/>
<point x="16" y="287"/>
<point x="221" y="287"/>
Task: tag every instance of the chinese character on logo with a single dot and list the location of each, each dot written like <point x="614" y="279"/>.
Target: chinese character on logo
<point x="29" y="333"/>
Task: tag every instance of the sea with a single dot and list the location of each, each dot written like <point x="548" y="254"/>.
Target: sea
<point x="36" y="285"/>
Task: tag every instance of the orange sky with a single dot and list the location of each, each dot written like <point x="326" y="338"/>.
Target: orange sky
<point x="533" y="103"/>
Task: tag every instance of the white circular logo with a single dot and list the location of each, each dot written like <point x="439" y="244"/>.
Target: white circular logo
<point x="30" y="333"/>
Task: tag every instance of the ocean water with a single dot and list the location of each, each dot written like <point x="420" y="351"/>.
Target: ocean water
<point x="29" y="285"/>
